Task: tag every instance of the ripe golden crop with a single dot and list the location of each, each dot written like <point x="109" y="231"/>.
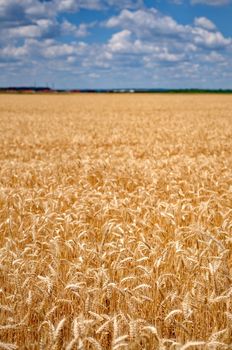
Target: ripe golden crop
<point x="115" y="222"/>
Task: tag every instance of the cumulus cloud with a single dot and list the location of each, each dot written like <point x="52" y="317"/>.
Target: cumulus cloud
<point x="204" y="23"/>
<point x="39" y="36"/>
<point x="38" y="18"/>
<point x="79" y="31"/>
<point x="213" y="57"/>
<point x="74" y="5"/>
<point x="146" y="21"/>
<point x="213" y="40"/>
<point x="60" y="50"/>
<point x="152" y="23"/>
<point x="11" y="53"/>
<point x="120" y="42"/>
<point x="15" y="12"/>
<point x="27" y="19"/>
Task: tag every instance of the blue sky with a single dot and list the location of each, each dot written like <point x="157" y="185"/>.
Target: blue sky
<point x="116" y="43"/>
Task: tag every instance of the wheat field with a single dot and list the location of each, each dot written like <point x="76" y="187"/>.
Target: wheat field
<point x="115" y="222"/>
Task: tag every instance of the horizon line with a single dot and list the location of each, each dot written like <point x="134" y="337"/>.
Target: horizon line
<point x="28" y="88"/>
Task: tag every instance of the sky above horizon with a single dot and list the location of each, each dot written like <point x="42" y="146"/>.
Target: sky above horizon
<point x="116" y="43"/>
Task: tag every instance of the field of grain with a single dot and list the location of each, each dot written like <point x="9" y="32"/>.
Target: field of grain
<point x="115" y="222"/>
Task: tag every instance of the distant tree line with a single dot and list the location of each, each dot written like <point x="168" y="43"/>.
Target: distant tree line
<point x="32" y="89"/>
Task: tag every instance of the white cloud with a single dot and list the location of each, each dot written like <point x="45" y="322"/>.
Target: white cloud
<point x="213" y="40"/>
<point x="94" y="75"/>
<point x="124" y="43"/>
<point x="16" y="11"/>
<point x="154" y="26"/>
<point x="120" y="42"/>
<point x="146" y="21"/>
<point x="75" y="5"/>
<point x="29" y="31"/>
<point x="204" y="23"/>
<point x="58" y="50"/>
<point x="213" y="57"/>
<point x="79" y="31"/>
<point x="163" y="57"/>
<point x="13" y="52"/>
<point x="142" y="41"/>
<point x="55" y="49"/>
